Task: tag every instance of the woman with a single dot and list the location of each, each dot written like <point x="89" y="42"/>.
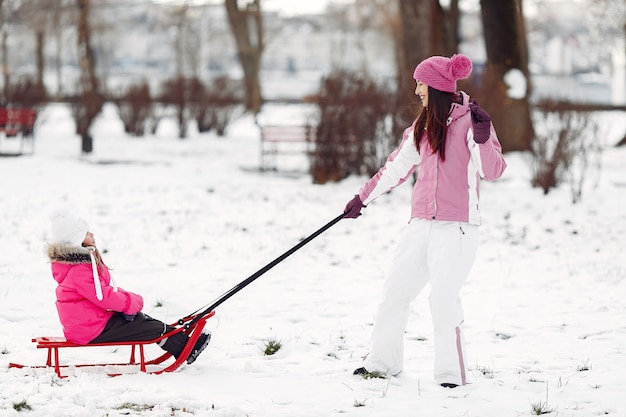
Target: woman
<point x="453" y="145"/>
<point x="91" y="307"/>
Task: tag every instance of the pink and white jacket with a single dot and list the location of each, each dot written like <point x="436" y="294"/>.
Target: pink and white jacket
<point x="86" y="300"/>
<point x="445" y="190"/>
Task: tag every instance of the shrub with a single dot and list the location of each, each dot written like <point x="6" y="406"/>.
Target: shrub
<point x="135" y="107"/>
<point x="351" y="134"/>
<point x="565" y="141"/>
<point x="177" y="92"/>
<point x="85" y="108"/>
<point x="28" y="92"/>
<point x="213" y="106"/>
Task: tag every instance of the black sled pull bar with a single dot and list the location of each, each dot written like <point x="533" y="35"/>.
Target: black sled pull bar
<point x="262" y="271"/>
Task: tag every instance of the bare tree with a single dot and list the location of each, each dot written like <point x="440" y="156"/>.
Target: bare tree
<point x="247" y="28"/>
<point x="5" y="17"/>
<point x="608" y="22"/>
<point x="90" y="103"/>
<point x="180" y="15"/>
<point x="34" y="15"/>
<point x="57" y="27"/>
<point x="47" y="18"/>
<point x="507" y="57"/>
<point x="609" y="19"/>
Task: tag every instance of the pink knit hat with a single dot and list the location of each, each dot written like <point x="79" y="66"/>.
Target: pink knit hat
<point x="441" y="73"/>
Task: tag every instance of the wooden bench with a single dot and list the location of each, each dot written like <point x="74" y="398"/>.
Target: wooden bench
<point x="284" y="139"/>
<point x="17" y="123"/>
<point x="53" y="344"/>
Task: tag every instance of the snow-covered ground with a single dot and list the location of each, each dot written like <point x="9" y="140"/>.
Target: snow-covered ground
<point x="182" y="221"/>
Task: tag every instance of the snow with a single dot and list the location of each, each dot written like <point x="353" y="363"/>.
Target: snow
<point x="183" y="221"/>
<point x="516" y="82"/>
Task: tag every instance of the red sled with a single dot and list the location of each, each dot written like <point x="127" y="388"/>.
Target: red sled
<point x="153" y="366"/>
<point x="192" y="325"/>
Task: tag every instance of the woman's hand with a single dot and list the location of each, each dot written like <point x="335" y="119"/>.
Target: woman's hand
<point x="353" y="208"/>
<point x="481" y="123"/>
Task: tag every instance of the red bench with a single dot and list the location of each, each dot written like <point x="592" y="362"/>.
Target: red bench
<point x="16" y="120"/>
<point x="284" y="139"/>
<point x="53" y="344"/>
<point x="16" y="126"/>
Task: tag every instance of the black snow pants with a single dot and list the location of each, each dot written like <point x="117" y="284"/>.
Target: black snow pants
<point x="142" y="327"/>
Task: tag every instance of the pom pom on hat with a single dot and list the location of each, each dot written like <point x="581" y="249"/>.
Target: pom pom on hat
<point x="441" y="73"/>
<point x="67" y="228"/>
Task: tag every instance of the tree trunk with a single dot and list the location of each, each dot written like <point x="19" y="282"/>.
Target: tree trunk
<point x="426" y="30"/>
<point x="39" y="59"/>
<point x="180" y="40"/>
<point x="86" y="57"/>
<point x="507" y="51"/>
<point x="91" y="101"/>
<point x="5" y="56"/>
<point x="247" y="28"/>
<point x="58" y="48"/>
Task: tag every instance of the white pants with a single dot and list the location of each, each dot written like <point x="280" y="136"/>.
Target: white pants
<point x="442" y="252"/>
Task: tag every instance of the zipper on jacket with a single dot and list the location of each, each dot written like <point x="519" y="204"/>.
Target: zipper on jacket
<point x="436" y="187"/>
<point x="461" y="239"/>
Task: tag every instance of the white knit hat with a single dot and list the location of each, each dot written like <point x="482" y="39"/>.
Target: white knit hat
<point x="68" y="228"/>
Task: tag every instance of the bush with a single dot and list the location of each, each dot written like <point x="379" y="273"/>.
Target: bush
<point x="213" y="107"/>
<point x="135" y="108"/>
<point x="85" y="108"/>
<point x="28" y="93"/>
<point x="177" y="92"/>
<point x="562" y="150"/>
<point x="351" y="136"/>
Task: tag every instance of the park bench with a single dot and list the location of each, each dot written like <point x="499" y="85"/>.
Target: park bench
<point x="16" y="124"/>
<point x="284" y="139"/>
<point x="14" y="121"/>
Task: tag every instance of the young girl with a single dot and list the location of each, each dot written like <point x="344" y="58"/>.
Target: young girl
<point x="91" y="307"/>
<point x="453" y="145"/>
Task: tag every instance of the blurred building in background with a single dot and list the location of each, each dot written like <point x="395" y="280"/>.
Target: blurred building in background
<point x="143" y="41"/>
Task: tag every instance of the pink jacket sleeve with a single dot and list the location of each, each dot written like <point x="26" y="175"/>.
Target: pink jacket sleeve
<point x="400" y="164"/>
<point x="488" y="156"/>
<point x="120" y="300"/>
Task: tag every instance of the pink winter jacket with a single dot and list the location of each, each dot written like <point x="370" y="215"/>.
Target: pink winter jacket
<point x="445" y="190"/>
<point x="82" y="315"/>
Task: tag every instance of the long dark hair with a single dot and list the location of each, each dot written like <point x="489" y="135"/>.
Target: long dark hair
<point x="433" y="120"/>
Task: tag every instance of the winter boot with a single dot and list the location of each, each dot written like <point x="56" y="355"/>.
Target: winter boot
<point x="201" y="344"/>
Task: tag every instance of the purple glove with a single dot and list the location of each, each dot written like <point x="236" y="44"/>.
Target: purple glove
<point x="129" y="317"/>
<point x="481" y="123"/>
<point x="353" y="208"/>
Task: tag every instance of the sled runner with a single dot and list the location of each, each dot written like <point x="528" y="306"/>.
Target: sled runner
<point x="192" y="325"/>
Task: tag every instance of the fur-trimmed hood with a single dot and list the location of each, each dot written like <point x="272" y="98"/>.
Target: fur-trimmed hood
<point x="76" y="255"/>
<point x="68" y="254"/>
